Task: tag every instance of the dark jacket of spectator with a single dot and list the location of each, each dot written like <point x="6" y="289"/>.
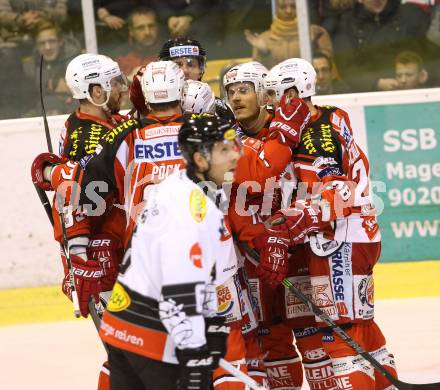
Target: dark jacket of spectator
<point x="55" y="92"/>
<point x="365" y="43"/>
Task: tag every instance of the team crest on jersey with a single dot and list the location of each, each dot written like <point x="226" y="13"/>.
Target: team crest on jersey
<point x="197" y="205"/>
<point x="119" y="299"/>
<point x="195" y="255"/>
<point x="224" y="300"/>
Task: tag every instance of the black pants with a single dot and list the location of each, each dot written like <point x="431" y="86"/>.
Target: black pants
<point x="129" y="371"/>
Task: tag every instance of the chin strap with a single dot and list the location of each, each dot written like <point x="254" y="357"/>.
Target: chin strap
<point x="102" y="105"/>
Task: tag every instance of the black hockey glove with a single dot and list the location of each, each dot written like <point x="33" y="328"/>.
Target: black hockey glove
<point x="195" y="368"/>
<point x="217" y="333"/>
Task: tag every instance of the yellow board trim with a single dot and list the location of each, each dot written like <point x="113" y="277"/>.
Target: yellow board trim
<point x="48" y="304"/>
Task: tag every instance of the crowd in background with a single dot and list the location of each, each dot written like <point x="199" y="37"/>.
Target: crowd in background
<point x="357" y="45"/>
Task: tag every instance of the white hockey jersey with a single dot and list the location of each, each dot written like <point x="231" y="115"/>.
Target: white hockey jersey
<point x="164" y="287"/>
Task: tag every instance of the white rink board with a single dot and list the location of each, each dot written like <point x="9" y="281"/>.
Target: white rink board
<point x="68" y="355"/>
<point x="30" y="255"/>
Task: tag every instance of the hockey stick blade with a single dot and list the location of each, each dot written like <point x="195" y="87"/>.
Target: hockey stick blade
<point x="340" y="332"/>
<point x="241" y="376"/>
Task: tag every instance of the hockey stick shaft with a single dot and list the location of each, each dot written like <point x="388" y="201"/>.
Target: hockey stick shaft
<point x="341" y="333"/>
<point x="45" y="201"/>
<point x="66" y="251"/>
<point x="241" y="376"/>
<point x="46" y="125"/>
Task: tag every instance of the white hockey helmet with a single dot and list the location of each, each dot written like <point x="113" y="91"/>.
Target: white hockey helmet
<point x="293" y="72"/>
<point x="252" y="72"/>
<point x="89" y="68"/>
<point x="198" y="97"/>
<point x="162" y="82"/>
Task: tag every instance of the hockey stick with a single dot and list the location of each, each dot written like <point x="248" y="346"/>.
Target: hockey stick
<point x="43" y="110"/>
<point x="241" y="376"/>
<point x="341" y="333"/>
<point x="46" y="204"/>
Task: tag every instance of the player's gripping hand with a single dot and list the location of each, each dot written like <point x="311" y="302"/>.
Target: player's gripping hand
<point x="336" y="198"/>
<point x="274" y="258"/>
<point x="290" y="119"/>
<point x="87" y="276"/>
<point x="196" y="366"/>
<point x="135" y="93"/>
<point x="296" y="223"/>
<point x="106" y="250"/>
<point x="40" y="163"/>
<point x="217" y="332"/>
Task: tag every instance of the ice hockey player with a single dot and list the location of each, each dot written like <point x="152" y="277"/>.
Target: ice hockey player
<point x="161" y="324"/>
<point x="98" y="84"/>
<point x="244" y="85"/>
<point x="345" y="240"/>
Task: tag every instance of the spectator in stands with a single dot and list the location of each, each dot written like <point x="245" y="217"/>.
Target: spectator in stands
<point x="57" y="51"/>
<point x="433" y="33"/>
<point x="369" y="36"/>
<point x="281" y="41"/>
<point x="410" y="73"/>
<point x="432" y="57"/>
<point x="18" y="21"/>
<point x="330" y="12"/>
<point x="114" y="13"/>
<point x="26" y="14"/>
<point x="144" y="41"/>
<point x="327" y="82"/>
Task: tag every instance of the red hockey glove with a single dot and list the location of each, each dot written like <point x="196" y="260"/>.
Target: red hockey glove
<point x="87" y="276"/>
<point x="107" y="251"/>
<point x="37" y="169"/>
<point x="274" y="256"/>
<point x="336" y="198"/>
<point x="291" y="117"/>
<point x="135" y="93"/>
<point x="294" y="224"/>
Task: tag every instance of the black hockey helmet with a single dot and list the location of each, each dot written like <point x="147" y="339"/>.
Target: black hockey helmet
<point x="200" y="132"/>
<point x="183" y="47"/>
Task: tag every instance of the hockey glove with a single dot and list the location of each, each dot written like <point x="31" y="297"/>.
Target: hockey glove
<point x="291" y="117"/>
<point x="217" y="332"/>
<point x="294" y="224"/>
<point x="87" y="276"/>
<point x="336" y="198"/>
<point x="135" y="93"/>
<point x="274" y="256"/>
<point x="40" y="162"/>
<point x="196" y="366"/>
<point x="107" y="251"/>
